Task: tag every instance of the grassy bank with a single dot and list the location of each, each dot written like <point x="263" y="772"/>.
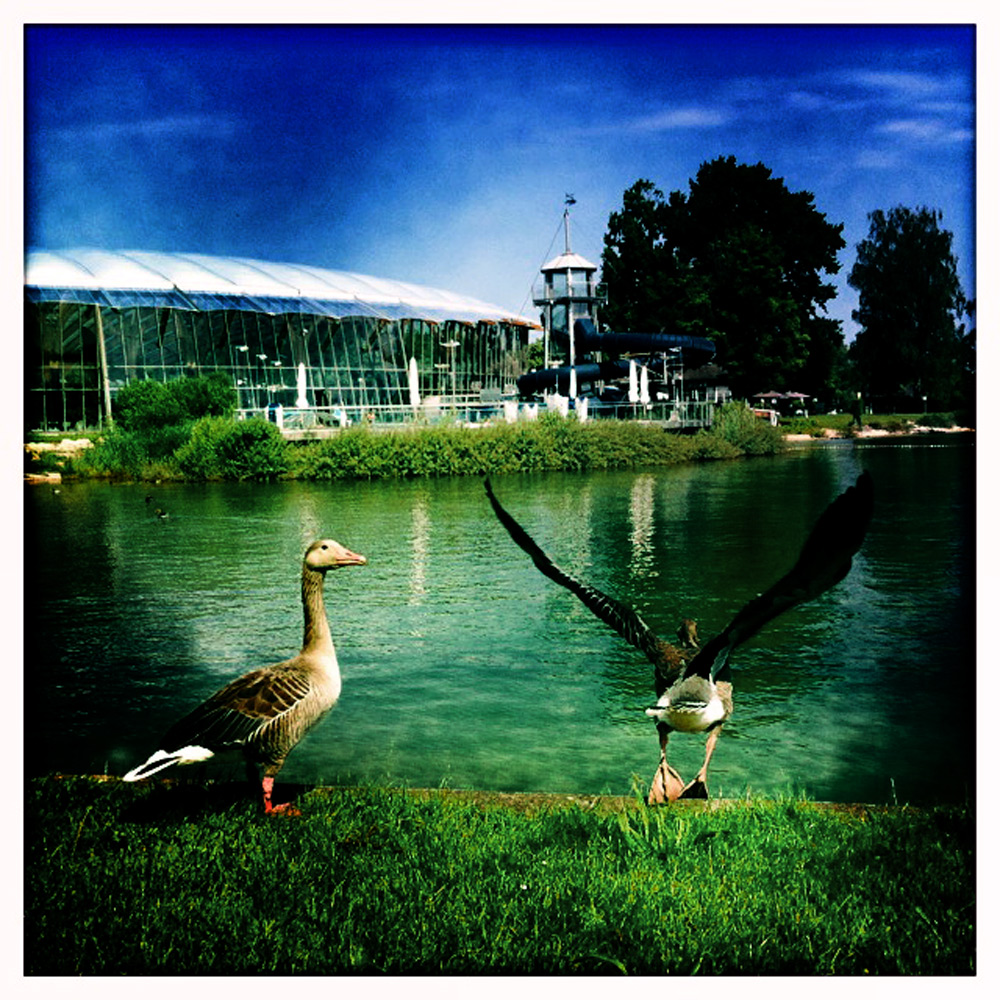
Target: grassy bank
<point x="844" y="424"/>
<point x="174" y="879"/>
<point x="221" y="448"/>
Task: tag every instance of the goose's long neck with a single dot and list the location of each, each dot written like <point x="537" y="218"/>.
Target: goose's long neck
<point x="316" y="636"/>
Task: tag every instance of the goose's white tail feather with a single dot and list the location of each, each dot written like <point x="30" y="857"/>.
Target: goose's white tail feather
<point x="161" y="760"/>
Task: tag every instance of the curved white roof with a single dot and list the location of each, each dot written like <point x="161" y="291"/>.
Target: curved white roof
<point x="197" y="281"/>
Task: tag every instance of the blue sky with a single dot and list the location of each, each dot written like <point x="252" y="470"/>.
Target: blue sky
<point x="442" y="154"/>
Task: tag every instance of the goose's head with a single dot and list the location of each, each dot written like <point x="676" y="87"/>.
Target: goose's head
<point x="688" y="634"/>
<point x="326" y="554"/>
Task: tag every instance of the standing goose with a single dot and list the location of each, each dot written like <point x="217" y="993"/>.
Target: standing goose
<point x="267" y="711"/>
<point x="693" y="688"/>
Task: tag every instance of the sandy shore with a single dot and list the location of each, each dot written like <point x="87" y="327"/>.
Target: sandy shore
<point x="878" y="432"/>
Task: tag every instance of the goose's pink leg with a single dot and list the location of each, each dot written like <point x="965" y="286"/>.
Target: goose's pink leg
<point x="698" y="789"/>
<point x="667" y="784"/>
<point x="282" y="807"/>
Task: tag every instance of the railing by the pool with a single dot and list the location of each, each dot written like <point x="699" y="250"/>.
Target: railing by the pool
<point x="319" y="420"/>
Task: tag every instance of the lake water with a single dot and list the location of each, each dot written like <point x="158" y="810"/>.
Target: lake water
<point x="464" y="667"/>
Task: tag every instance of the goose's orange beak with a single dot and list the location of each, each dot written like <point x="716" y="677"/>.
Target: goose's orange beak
<point x="349" y="558"/>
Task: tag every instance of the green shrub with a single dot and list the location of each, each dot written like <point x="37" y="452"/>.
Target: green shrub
<point x="197" y="457"/>
<point x="153" y="420"/>
<point x="144" y="405"/>
<point x="148" y="404"/>
<point x="162" y="442"/>
<point x="549" y="443"/>
<point x="217" y="447"/>
<point x="894" y="425"/>
<point x="39" y="462"/>
<point x="210" y="395"/>
<point x="252" y="449"/>
<point x="220" y="448"/>
<point x="120" y="454"/>
<point x="706" y="447"/>
<point x="125" y="453"/>
<point x="734" y="422"/>
<point x="937" y="420"/>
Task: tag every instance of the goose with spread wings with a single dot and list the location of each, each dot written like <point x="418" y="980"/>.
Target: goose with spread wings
<point x="694" y="691"/>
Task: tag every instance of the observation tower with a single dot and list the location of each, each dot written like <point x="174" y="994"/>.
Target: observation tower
<point x="567" y="292"/>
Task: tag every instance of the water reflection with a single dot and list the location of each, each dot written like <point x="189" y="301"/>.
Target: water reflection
<point x="464" y="665"/>
<point x="420" y="548"/>
<point x="641" y="505"/>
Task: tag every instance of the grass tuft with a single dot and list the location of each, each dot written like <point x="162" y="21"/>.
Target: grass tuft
<point x="172" y="879"/>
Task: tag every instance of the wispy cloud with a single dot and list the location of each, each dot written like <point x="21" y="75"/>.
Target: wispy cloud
<point x="919" y="108"/>
<point x="678" y="118"/>
<point x="812" y="101"/>
<point x="878" y="159"/>
<point x="166" y="127"/>
<point x="927" y="130"/>
<point x="901" y="84"/>
<point x="668" y="120"/>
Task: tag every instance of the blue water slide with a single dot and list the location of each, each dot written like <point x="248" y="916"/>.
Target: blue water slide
<point x="695" y="351"/>
<point x="546" y="378"/>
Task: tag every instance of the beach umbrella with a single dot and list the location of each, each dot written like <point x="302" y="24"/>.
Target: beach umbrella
<point x="301" y="399"/>
<point x="413" y="377"/>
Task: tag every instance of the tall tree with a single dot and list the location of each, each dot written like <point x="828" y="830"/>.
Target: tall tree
<point x="967" y="359"/>
<point x="739" y="259"/>
<point x="912" y="342"/>
<point x="634" y="252"/>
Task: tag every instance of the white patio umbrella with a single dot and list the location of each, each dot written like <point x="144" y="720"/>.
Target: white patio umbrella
<point x="413" y="377"/>
<point x="644" y="386"/>
<point x="301" y="399"/>
<point x="572" y="383"/>
<point x="633" y="383"/>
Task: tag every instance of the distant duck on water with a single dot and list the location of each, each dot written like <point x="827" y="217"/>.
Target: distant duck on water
<point x="692" y="682"/>
<point x="266" y="712"/>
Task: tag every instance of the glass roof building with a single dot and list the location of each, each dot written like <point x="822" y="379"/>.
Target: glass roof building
<point x="289" y="334"/>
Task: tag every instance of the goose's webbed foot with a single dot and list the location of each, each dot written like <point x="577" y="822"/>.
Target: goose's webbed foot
<point x="697" y="789"/>
<point x="667" y="785"/>
<point x="285" y="808"/>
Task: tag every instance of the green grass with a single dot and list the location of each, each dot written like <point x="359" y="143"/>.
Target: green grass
<point x="817" y="424"/>
<point x="893" y="422"/>
<point x="175" y="879"/>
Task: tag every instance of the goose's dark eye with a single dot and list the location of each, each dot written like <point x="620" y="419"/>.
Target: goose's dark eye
<point x="323" y="548"/>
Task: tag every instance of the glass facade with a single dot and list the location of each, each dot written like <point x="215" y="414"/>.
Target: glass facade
<point x="347" y="355"/>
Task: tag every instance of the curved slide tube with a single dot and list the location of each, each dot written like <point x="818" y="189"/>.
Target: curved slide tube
<point x="546" y="378"/>
<point x="696" y="351"/>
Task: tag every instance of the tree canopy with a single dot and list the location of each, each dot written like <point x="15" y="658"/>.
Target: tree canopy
<point x="739" y="259"/>
<point x="912" y="342"/>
